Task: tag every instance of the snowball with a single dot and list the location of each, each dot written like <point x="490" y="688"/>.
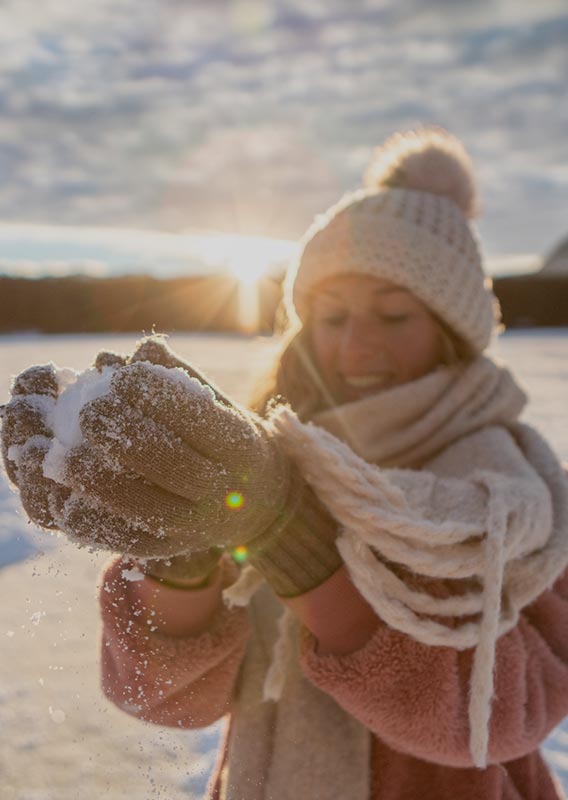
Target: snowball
<point x="87" y="386"/>
<point x="78" y="389"/>
<point x="54" y="462"/>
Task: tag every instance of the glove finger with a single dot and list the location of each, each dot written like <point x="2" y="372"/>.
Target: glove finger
<point x="185" y="408"/>
<point x="92" y="525"/>
<point x="144" y="504"/>
<point x="107" y="358"/>
<point x="41" y="379"/>
<point x="24" y="417"/>
<point x="149" y="449"/>
<point x="157" y="351"/>
<point x="40" y="496"/>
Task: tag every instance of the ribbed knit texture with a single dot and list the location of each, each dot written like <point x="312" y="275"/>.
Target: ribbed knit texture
<point x="298" y="552"/>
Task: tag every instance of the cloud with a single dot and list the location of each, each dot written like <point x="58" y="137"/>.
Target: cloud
<point x="252" y="116"/>
<point x="36" y="250"/>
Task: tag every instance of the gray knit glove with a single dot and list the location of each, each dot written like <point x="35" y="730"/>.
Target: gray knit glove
<point x="26" y="437"/>
<point x="170" y="467"/>
<point x="188" y="469"/>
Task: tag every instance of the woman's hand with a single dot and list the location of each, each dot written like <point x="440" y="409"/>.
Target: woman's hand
<point x="26" y="438"/>
<point x="178" y="465"/>
<point x="170" y="471"/>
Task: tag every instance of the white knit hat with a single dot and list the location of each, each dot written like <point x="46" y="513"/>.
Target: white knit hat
<point x="411" y="226"/>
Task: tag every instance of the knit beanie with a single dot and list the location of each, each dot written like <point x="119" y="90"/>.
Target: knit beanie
<point x="412" y="225"/>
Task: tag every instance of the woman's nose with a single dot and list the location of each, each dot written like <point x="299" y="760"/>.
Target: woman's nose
<point x="361" y="336"/>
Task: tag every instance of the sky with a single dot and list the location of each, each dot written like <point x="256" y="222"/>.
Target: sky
<point x="130" y="127"/>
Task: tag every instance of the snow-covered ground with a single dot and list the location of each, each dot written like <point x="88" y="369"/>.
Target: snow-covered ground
<point x="60" y="738"/>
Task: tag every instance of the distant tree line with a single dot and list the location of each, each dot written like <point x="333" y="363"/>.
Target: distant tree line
<point x="129" y="303"/>
<point x="533" y="301"/>
<point x="141" y="303"/>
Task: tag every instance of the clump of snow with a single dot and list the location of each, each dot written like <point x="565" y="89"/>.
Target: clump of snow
<point x="65" y="377"/>
<point x="78" y="389"/>
<point x="14" y="453"/>
<point x="15" y="450"/>
<point x="54" y="462"/>
<point x="132" y="574"/>
<point x="87" y="386"/>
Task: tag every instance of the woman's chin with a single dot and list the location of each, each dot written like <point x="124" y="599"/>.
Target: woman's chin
<point x="351" y="394"/>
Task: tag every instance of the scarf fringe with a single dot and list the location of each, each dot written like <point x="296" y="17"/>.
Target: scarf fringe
<point x="242" y="590"/>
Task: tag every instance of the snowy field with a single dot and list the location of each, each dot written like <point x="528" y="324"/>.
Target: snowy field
<point x="60" y="738"/>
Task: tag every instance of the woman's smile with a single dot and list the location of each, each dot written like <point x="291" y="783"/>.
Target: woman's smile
<point x="369" y="334"/>
<point x="366" y="383"/>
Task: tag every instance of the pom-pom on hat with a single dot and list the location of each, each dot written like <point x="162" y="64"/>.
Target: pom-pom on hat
<point x="410" y="225"/>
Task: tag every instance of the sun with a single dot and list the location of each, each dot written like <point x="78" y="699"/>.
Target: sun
<point x="246" y="272"/>
<point x="247" y="259"/>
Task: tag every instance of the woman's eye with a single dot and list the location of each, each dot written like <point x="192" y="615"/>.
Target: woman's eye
<point x="393" y="318"/>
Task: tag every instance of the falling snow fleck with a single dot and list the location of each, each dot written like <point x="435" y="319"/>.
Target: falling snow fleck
<point x="57" y="715"/>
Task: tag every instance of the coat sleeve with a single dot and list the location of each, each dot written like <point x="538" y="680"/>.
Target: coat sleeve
<point x="185" y="681"/>
<point x="415" y="697"/>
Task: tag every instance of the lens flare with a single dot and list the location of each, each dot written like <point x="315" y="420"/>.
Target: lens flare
<point x="234" y="500"/>
<point x="240" y="554"/>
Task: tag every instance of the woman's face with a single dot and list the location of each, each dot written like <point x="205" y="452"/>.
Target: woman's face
<point x="368" y="334"/>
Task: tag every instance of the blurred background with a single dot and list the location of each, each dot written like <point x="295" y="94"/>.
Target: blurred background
<point x="160" y="159"/>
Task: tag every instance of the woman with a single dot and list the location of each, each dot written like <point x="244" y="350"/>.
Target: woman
<point x="416" y="533"/>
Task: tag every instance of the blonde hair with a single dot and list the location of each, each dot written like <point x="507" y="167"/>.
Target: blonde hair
<point x="295" y="379"/>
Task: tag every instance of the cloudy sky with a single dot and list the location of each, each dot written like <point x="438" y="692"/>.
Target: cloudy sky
<point x="249" y="116"/>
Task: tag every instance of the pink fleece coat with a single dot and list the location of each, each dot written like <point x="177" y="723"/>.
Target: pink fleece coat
<point x="411" y="696"/>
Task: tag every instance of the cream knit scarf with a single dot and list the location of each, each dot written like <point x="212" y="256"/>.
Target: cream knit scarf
<point x="438" y="477"/>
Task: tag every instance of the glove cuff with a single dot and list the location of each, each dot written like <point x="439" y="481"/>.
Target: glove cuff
<point x="298" y="551"/>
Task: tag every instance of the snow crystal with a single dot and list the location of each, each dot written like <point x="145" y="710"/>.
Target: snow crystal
<point x="14" y="452"/>
<point x="181" y="377"/>
<point x="57" y="715"/>
<point x="133" y="574"/>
